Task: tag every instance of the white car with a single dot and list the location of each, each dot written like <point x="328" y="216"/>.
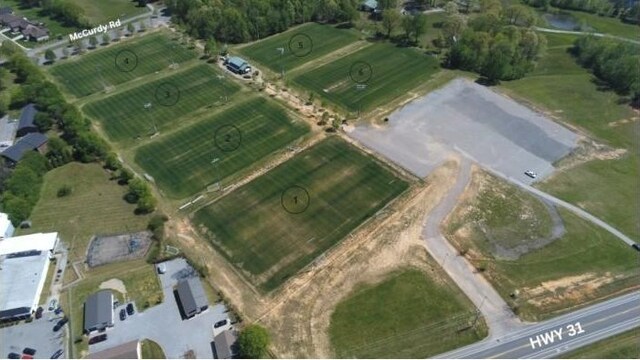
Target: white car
<point x="531" y="174"/>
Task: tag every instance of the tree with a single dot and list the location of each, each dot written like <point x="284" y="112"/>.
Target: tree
<point x="111" y="162"/>
<point x="93" y="41"/>
<point x="451" y="8"/>
<point x="521" y="15"/>
<point x="146" y="204"/>
<point x="65" y="53"/>
<point x="335" y="124"/>
<point x="210" y="47"/>
<point x="106" y="38"/>
<point x="390" y="20"/>
<point x="452" y="28"/>
<point x="50" y="55"/>
<point x="130" y="28"/>
<point x="253" y="342"/>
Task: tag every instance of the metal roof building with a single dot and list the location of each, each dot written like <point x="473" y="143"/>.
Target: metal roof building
<point x="192" y="298"/>
<point x="45" y="242"/>
<point x="226" y="345"/>
<point x="128" y="350"/>
<point x="30" y="142"/>
<point x="27" y="124"/>
<point x="238" y="65"/>
<point x="22" y="278"/>
<point x="98" y="311"/>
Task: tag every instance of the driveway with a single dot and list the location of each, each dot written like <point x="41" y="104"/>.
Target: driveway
<point x="163" y="323"/>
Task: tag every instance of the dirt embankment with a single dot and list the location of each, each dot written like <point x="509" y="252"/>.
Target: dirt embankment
<point x="298" y="314"/>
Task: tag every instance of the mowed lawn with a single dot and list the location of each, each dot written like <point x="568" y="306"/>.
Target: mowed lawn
<point x="95" y="206"/>
<point x="125" y="115"/>
<point x="252" y="229"/>
<point x="622" y="346"/>
<point x="97" y="70"/>
<point x="181" y="162"/>
<point x="394" y="72"/>
<point x="320" y="40"/>
<point x="408" y="315"/>
<point x="103" y="11"/>
<point x="606" y="188"/>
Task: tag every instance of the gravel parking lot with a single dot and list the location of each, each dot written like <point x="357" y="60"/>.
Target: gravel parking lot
<point x="163" y="323"/>
<point x="464" y="117"/>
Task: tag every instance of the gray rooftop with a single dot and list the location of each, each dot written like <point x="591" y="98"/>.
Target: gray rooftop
<point x="21" y="281"/>
<point x="226" y="345"/>
<point x="27" y="143"/>
<point x="191" y="293"/>
<point x="98" y="310"/>
<point x="27" y="116"/>
<point x="7" y="131"/>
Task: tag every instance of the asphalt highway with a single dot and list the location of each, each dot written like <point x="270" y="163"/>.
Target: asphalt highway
<point x="549" y="339"/>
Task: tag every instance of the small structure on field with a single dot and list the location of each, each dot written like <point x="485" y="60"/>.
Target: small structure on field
<point x="238" y="65"/>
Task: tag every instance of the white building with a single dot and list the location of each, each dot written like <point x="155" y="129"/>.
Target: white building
<point x="6" y="227"/>
<point x="39" y="241"/>
<point x="22" y="278"/>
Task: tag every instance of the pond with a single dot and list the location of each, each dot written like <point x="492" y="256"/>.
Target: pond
<point x="562" y="21"/>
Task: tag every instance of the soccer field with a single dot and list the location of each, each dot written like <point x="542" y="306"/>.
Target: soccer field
<point x="93" y="72"/>
<point x="135" y="112"/>
<point x="370" y="77"/>
<point x="278" y="223"/>
<point x="181" y="162"/>
<point x="299" y="46"/>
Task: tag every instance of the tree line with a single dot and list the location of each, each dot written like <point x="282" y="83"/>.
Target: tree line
<point x="615" y="62"/>
<point x="237" y="21"/>
<point x="72" y="138"/>
<point x="499" y="43"/>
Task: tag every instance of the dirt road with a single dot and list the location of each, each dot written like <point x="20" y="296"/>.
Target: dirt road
<point x="497" y="314"/>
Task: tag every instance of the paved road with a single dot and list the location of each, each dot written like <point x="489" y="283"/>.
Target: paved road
<point x="557" y="31"/>
<point x="495" y="310"/>
<point x="562" y="334"/>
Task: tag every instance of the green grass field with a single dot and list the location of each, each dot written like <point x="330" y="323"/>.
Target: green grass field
<point x="408" y="315"/>
<point x="95" y="206"/>
<point x="252" y="229"/>
<point x="35" y="14"/>
<point x="124" y="116"/>
<point x="93" y="72"/>
<point x="584" y="250"/>
<point x="607" y="25"/>
<point x="324" y="39"/>
<point x="607" y="189"/>
<point x="394" y="72"/>
<point x="99" y="12"/>
<point x="622" y="346"/>
<point x="181" y="161"/>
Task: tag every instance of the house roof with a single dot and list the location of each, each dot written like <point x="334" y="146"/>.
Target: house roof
<point x="27" y="143"/>
<point x="35" y="31"/>
<point x="226" y="345"/>
<point x="128" y="350"/>
<point x="373" y="4"/>
<point x="28" y="114"/>
<point x="98" y="310"/>
<point x="39" y="241"/>
<point x="21" y="280"/>
<point x="191" y="293"/>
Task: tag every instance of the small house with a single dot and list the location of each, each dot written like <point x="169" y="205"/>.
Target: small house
<point x="98" y="311"/>
<point x="31" y="142"/>
<point x="191" y="297"/>
<point x="238" y="65"/>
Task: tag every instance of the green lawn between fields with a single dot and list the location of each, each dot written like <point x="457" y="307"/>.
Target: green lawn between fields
<point x="606" y="188"/>
<point x="394" y="72"/>
<point x="252" y="229"/>
<point x="317" y="41"/>
<point x="95" y="206"/>
<point x="125" y="115"/>
<point x="585" y="249"/>
<point x="103" y="11"/>
<point x="93" y="72"/>
<point x="181" y="162"/>
<point x="140" y="281"/>
<point x="622" y="346"/>
<point x="408" y="315"/>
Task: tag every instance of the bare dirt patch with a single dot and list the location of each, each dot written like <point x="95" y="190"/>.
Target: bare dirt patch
<point x="114" y="284"/>
<point x="567" y="289"/>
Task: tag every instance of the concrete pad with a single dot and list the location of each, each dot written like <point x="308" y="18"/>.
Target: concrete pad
<point x="474" y="121"/>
